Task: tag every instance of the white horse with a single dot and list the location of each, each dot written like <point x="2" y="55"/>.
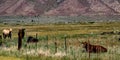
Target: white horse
<point x="7" y="33"/>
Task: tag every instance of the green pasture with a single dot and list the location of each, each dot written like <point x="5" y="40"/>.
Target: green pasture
<point x="48" y="34"/>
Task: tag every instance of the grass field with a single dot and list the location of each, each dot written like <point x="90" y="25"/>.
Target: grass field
<point x="45" y="48"/>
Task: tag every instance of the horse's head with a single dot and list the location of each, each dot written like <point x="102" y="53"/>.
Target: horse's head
<point x="22" y="29"/>
<point x="10" y="29"/>
<point x="85" y="44"/>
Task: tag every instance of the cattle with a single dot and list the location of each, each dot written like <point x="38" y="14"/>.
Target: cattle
<point x="7" y="33"/>
<point x="21" y="34"/>
<point x="93" y="48"/>
<point x="32" y="40"/>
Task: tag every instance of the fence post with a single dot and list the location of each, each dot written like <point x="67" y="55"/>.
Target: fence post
<point x="65" y="43"/>
<point x="47" y="41"/>
<point x="89" y="50"/>
<point x="36" y="35"/>
<point x="55" y="47"/>
<point x="88" y="47"/>
<point x="36" y="38"/>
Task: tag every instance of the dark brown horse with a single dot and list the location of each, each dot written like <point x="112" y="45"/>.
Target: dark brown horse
<point x="21" y="34"/>
<point x="32" y="40"/>
<point x="93" y="48"/>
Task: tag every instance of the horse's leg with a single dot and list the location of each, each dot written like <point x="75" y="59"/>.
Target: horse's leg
<point x="4" y="36"/>
<point x="10" y="35"/>
<point x="19" y="43"/>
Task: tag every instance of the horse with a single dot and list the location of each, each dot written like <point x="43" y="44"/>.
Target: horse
<point x="7" y="33"/>
<point x="32" y="40"/>
<point x="21" y="35"/>
<point x="93" y="48"/>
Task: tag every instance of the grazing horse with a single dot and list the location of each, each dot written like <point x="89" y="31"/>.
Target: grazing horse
<point x="7" y="33"/>
<point x="32" y="40"/>
<point x="93" y="48"/>
<point x="21" y="34"/>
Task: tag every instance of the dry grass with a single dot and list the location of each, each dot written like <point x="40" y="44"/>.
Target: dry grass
<point x="9" y="58"/>
<point x="75" y="33"/>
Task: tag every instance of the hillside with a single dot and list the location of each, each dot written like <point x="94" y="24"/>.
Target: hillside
<point x="59" y="7"/>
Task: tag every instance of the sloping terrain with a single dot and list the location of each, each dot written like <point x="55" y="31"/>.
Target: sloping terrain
<point x="69" y="7"/>
<point x="59" y="7"/>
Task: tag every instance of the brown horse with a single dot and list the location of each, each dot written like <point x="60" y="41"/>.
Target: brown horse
<point x="93" y="48"/>
<point x="21" y="34"/>
<point x="32" y="40"/>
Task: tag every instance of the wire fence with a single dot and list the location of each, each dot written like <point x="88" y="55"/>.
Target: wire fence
<point x="64" y="46"/>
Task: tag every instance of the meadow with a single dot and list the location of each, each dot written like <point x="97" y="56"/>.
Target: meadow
<point x="67" y="37"/>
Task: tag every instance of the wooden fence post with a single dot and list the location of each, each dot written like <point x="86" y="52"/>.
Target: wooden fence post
<point x="89" y="50"/>
<point x="65" y="43"/>
<point x="55" y="47"/>
<point x="47" y="41"/>
<point x="36" y="38"/>
<point x="36" y="35"/>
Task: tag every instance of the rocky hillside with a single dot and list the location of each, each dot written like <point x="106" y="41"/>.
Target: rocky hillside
<point x="59" y="7"/>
